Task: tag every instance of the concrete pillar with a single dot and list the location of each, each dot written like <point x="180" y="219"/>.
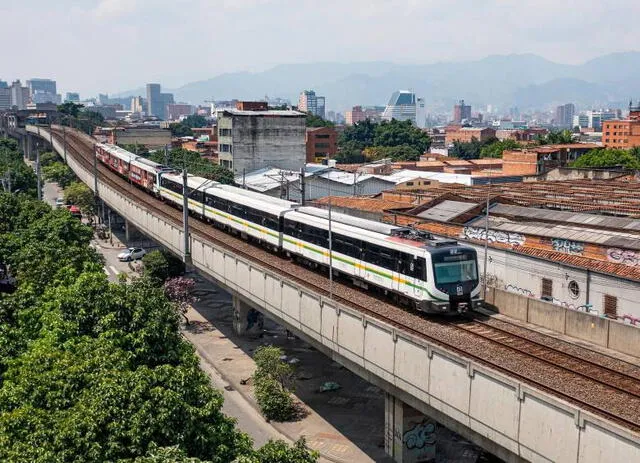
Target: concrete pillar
<point x="126" y="231"/>
<point x="246" y="320"/>
<point x="410" y="436"/>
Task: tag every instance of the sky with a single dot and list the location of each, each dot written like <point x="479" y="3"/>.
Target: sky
<point x="107" y="46"/>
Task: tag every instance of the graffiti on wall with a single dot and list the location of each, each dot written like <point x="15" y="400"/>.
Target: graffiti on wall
<point x="518" y="290"/>
<point x="494" y="236"/>
<point x="422" y="435"/>
<point x="622" y="256"/>
<point x="567" y="246"/>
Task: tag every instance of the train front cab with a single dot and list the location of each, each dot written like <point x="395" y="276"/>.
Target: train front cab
<point x="455" y="280"/>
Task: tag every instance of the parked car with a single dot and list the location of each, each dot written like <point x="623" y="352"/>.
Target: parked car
<point x="59" y="203"/>
<point x="131" y="254"/>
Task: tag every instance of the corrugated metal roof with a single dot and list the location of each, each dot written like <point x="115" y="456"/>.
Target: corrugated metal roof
<point x="446" y="210"/>
<point x="573" y="233"/>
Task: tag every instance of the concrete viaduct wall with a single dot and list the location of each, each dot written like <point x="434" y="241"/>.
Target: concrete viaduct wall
<point x="509" y="418"/>
<point x="604" y="332"/>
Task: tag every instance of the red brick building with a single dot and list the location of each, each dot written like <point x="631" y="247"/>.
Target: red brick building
<point x="623" y="134"/>
<point x="322" y="143"/>
<point x="533" y="161"/>
<point x="467" y="134"/>
<point x="252" y="106"/>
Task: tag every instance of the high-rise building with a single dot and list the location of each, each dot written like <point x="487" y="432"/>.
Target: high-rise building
<point x="355" y="115"/>
<point x="72" y="97"/>
<point x="421" y="113"/>
<point x="157" y="101"/>
<point x="137" y="105"/>
<point x="175" y="111"/>
<point x="401" y="107"/>
<point x="43" y="91"/>
<point x="19" y="95"/>
<point x="461" y="112"/>
<point x="5" y="97"/>
<point x="251" y="140"/>
<point x="564" y="115"/>
<point x="309" y="102"/>
<point x="3" y="84"/>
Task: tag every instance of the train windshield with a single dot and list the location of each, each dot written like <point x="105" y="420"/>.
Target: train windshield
<point x="455" y="268"/>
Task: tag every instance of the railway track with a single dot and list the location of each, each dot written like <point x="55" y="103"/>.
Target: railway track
<point x="623" y="382"/>
<point x="588" y="386"/>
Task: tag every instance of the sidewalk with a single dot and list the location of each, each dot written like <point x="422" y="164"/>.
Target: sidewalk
<point x="211" y="332"/>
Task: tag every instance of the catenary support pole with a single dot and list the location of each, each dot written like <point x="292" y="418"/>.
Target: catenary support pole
<point x="38" y="178"/>
<point x="185" y="216"/>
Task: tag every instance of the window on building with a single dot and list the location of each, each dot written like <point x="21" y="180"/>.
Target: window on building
<point x="574" y="289"/>
<point x="547" y="287"/>
<point x="225" y="132"/>
<point x="323" y="135"/>
<point x="322" y="145"/>
<point x="610" y="306"/>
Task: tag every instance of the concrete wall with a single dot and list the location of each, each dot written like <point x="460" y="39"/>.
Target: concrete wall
<point x="521" y="274"/>
<point x="605" y="332"/>
<point x="260" y="141"/>
<point x="510" y="418"/>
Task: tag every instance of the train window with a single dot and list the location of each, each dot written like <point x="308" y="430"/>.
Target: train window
<point x="381" y="256"/>
<point x="290" y="228"/>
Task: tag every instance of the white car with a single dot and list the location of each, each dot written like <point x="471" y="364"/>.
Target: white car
<point x="131" y="254"/>
<point x="59" y="203"/>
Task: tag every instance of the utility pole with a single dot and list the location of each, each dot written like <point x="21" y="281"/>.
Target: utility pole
<point x="95" y="173"/>
<point x="64" y="141"/>
<point x="185" y="213"/>
<point x="486" y="242"/>
<point x="110" y="232"/>
<point x="39" y="180"/>
<point x="302" y="187"/>
<point x="244" y="180"/>
<point x="166" y="155"/>
<point x="330" y="248"/>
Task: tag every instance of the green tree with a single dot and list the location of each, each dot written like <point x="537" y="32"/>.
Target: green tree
<point x="196" y="165"/>
<point x="161" y="265"/>
<point x="141" y="150"/>
<point x="395" y="153"/>
<point x="180" y="130"/>
<point x="358" y="136"/>
<point x="608" y="158"/>
<point x="316" y="121"/>
<point x="70" y="109"/>
<point x="195" y="121"/>
<point x="60" y="173"/>
<point x="81" y="195"/>
<point x="272" y="380"/>
<point x="494" y="148"/>
<point x="466" y="150"/>
<point x="562" y="137"/>
<point x="279" y="452"/>
<point x="15" y="175"/>
<point x="400" y="133"/>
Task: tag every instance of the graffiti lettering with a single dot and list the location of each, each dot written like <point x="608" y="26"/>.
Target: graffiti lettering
<point x="421" y="435"/>
<point x="567" y="246"/>
<point x="518" y="290"/>
<point x="620" y="256"/>
<point x="475" y="233"/>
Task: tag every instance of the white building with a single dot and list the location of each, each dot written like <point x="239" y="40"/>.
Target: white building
<point x="401" y="107"/>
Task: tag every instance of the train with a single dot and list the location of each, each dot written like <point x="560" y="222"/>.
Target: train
<point x="415" y="269"/>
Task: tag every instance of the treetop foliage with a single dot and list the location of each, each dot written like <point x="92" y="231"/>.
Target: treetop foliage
<point x="15" y="175"/>
<point x="368" y="141"/>
<point x="196" y="165"/>
<point x="316" y="121"/>
<point x="94" y="371"/>
<point x="609" y="157"/>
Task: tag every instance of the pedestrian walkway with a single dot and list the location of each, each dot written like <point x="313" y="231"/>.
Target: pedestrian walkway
<point x="356" y="412"/>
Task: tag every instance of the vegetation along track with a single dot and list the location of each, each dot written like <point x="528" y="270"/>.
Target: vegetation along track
<point x="620" y="406"/>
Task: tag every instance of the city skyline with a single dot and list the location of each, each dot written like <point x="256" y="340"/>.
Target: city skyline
<point x="549" y="31"/>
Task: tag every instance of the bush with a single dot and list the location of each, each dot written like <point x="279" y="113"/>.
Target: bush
<point x="162" y="265"/>
<point x="274" y="400"/>
<point x="272" y="380"/>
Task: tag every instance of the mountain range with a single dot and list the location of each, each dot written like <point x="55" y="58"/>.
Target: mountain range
<point x="525" y="81"/>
